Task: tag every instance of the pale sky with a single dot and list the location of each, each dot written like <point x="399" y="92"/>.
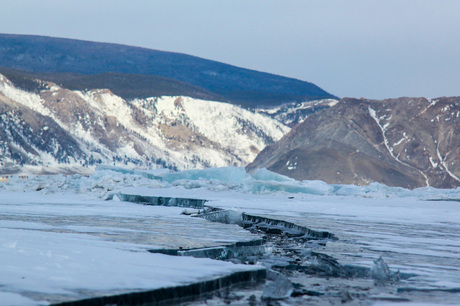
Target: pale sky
<point x="367" y="48"/>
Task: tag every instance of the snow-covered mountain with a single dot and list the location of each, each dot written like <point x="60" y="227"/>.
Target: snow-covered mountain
<point x="57" y="130"/>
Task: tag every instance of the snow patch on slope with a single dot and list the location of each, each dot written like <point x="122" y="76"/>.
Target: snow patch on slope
<point x="30" y="100"/>
<point x="295" y="113"/>
<point x="444" y="164"/>
<point x="383" y="129"/>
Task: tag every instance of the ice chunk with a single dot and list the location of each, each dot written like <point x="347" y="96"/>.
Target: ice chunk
<point x="278" y="289"/>
<point x="227" y="174"/>
<point x="307" y="187"/>
<point x="380" y="271"/>
<point x="190" y="211"/>
<point x="265" y="181"/>
<point x="261" y="181"/>
<point x="266" y="175"/>
<point x="224" y="216"/>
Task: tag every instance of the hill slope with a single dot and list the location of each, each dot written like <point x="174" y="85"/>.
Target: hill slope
<point x="128" y="86"/>
<point x="237" y="85"/>
<point x="406" y="142"/>
<point x="54" y="129"/>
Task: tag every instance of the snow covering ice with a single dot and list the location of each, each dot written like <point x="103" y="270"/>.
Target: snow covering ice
<point x="62" y="235"/>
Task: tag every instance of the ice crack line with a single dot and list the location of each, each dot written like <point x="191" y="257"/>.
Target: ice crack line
<point x="285" y="251"/>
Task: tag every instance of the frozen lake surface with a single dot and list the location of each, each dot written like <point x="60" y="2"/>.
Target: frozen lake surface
<point x="60" y="239"/>
<point x="56" y="248"/>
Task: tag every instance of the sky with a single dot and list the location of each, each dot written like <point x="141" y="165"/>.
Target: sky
<point x="368" y="48"/>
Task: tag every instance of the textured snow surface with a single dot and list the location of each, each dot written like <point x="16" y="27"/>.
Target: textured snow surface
<point x="58" y="237"/>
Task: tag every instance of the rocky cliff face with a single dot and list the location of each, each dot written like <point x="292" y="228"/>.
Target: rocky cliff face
<point x="59" y="130"/>
<point x="406" y="142"/>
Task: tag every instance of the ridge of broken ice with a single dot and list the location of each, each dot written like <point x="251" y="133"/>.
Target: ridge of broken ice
<point x="112" y="179"/>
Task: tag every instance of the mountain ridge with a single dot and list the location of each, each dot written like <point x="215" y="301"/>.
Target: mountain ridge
<point x="128" y="86"/>
<point x="242" y="86"/>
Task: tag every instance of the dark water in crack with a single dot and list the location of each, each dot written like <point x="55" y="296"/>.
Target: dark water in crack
<point x="299" y="275"/>
<point x="307" y="267"/>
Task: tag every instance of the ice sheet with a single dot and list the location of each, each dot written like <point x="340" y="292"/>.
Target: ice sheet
<point x="416" y="231"/>
<point x="57" y="247"/>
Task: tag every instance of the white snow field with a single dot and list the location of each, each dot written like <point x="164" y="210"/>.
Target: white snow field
<point x="60" y="240"/>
